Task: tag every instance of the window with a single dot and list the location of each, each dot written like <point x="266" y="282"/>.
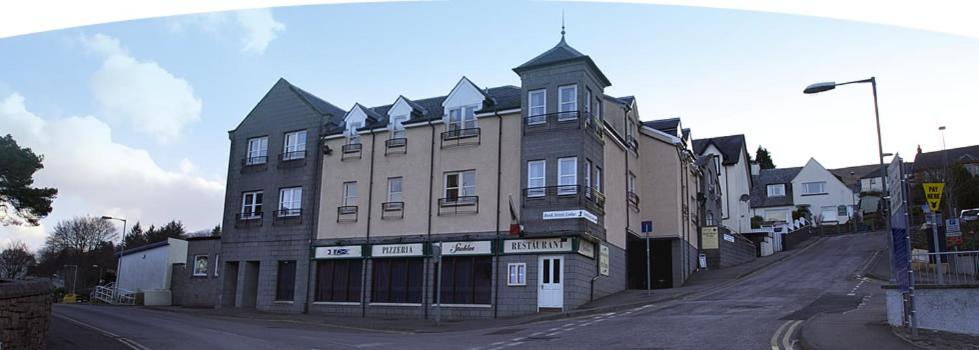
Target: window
<point x="258" y="150"/>
<point x="813" y="188"/>
<point x="598" y="179"/>
<point x="516" y="274"/>
<point x="567" y="102"/>
<point x="290" y="201"/>
<point x="462" y="118"/>
<point x="217" y="264"/>
<point x="394" y="189"/>
<point x="776" y="190"/>
<point x="350" y="193"/>
<point x="588" y="176"/>
<point x="295" y="146"/>
<point x="631" y="183"/>
<point x="338" y="280"/>
<point x="466" y="280"/>
<point x="710" y="218"/>
<point x="285" y="283"/>
<point x="567" y="175"/>
<point x="460" y="184"/>
<point x="200" y="265"/>
<point x="828" y="213"/>
<point x="535" y="178"/>
<point x="587" y="100"/>
<point x="777" y="215"/>
<point x="353" y="136"/>
<point x="841" y="211"/>
<point x="538" y="107"/>
<point x="397" y="126"/>
<point x="251" y="205"/>
<point x="397" y="280"/>
<point x="597" y="110"/>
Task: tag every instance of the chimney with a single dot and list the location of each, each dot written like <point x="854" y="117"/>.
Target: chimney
<point x="919" y="149"/>
<point x="755" y="168"/>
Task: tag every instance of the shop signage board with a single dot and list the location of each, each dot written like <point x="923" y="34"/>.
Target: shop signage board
<point x="338" y="252"/>
<point x="586" y="248"/>
<point x="708" y="235"/>
<point x="570" y="214"/>
<point x="540" y="245"/>
<point x="729" y="238"/>
<point x="603" y="260"/>
<point x="467" y="248"/>
<point x="392" y="250"/>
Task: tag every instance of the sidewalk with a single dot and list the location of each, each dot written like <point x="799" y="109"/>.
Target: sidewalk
<point x="863" y="328"/>
<point x="702" y="281"/>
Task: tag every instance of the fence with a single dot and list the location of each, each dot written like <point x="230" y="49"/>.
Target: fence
<point x="946" y="268"/>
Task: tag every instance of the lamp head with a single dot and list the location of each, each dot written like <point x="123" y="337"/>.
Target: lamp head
<point x="820" y="87"/>
<point x="106" y="217"/>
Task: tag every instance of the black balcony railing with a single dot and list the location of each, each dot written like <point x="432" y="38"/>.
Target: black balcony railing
<point x="254" y="160"/>
<point x="458" y="205"/>
<point x="565" y="196"/>
<point x="288" y="216"/>
<point x="563" y="121"/>
<point x="347" y="213"/>
<point x="396" y="145"/>
<point x="351" y="150"/>
<point x="392" y="210"/>
<point x="292" y="155"/>
<point x="245" y="220"/>
<point x="631" y="142"/>
<point x="460" y="137"/>
<point x="632" y="198"/>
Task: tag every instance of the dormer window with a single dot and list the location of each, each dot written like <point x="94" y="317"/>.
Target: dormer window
<point x="462" y="118"/>
<point x="397" y="126"/>
<point x="353" y="136"/>
<point x="776" y="190"/>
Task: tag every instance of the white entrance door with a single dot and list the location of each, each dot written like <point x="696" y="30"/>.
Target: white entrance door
<point x="550" y="278"/>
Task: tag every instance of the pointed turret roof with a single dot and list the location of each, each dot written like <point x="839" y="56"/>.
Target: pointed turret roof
<point x="561" y="53"/>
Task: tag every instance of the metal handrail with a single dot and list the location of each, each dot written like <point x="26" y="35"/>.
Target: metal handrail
<point x="632" y="198"/>
<point x="957" y="268"/>
<point x="352" y="147"/>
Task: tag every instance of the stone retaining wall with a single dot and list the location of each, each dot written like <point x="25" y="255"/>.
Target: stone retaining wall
<point x="25" y="312"/>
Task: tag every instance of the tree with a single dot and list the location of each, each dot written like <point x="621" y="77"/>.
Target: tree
<point x="764" y="158"/>
<point x="17" y="168"/>
<point x="15" y="260"/>
<point x="173" y="229"/>
<point x="80" y="234"/>
<point x="135" y="237"/>
<point x="216" y="232"/>
<point x="964" y="187"/>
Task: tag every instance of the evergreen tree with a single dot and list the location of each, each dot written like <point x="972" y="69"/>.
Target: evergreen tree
<point x="173" y="229"/>
<point x="19" y="202"/>
<point x="764" y="158"/>
<point x="216" y="232"/>
<point x="135" y="237"/>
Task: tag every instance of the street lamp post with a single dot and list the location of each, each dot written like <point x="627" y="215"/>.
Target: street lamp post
<point x="820" y="87"/>
<point x="948" y="184"/>
<point x="122" y="250"/>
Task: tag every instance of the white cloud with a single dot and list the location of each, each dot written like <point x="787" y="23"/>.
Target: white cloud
<point x="142" y="93"/>
<point x="96" y="176"/>
<point x="255" y="28"/>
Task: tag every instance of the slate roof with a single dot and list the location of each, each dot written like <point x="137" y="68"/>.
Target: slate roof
<point x="765" y="177"/>
<point x="936" y="159"/>
<point x="858" y="172"/>
<point x="145" y="247"/>
<point x="321" y="106"/>
<point x="730" y="147"/>
<point x="561" y="53"/>
<point x="668" y="126"/>
<point x="627" y="99"/>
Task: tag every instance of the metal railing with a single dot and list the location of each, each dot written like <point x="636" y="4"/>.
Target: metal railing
<point x="293" y="155"/>
<point x="459" y="137"/>
<point x="288" y="215"/>
<point x="946" y="268"/>
<point x="254" y="160"/>
<point x="564" y="196"/>
<point x="248" y="219"/>
<point x="562" y="121"/>
<point x="347" y="213"/>
<point x="458" y="205"/>
<point x="632" y="198"/>
<point x="392" y="210"/>
<point x="111" y="295"/>
<point x="396" y="145"/>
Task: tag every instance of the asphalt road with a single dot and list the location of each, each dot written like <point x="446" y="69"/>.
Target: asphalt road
<point x="757" y="312"/>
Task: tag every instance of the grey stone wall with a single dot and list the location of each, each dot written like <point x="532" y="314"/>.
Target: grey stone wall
<point x="794" y="238"/>
<point x="198" y="291"/>
<point x="729" y="254"/>
<point x="25" y="314"/>
<point x="940" y="308"/>
<point x="684" y="263"/>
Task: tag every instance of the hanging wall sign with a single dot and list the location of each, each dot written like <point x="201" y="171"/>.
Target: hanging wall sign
<point x="586" y="248"/>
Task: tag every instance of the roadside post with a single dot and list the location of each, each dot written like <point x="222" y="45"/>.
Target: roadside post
<point x="437" y="254"/>
<point x="647" y="228"/>
<point x="933" y="194"/>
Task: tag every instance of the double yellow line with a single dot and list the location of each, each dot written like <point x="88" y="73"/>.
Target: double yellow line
<point x="784" y="333"/>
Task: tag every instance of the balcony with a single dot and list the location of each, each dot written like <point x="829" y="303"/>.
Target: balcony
<point x="247" y="220"/>
<point x="396" y="146"/>
<point x="458" y="205"/>
<point x="633" y="199"/>
<point x="347" y="213"/>
<point x="351" y="150"/>
<point x="565" y="197"/>
<point x="288" y="217"/>
<point x="254" y="164"/>
<point x="392" y="210"/>
<point x="461" y="137"/>
<point x="631" y="142"/>
<point x="567" y="120"/>
<point x="292" y="159"/>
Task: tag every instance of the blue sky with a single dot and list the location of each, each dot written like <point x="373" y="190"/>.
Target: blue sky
<point x="723" y="72"/>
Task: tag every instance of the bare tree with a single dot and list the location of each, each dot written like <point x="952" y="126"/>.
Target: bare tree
<point x="81" y="234"/>
<point x="15" y="260"/>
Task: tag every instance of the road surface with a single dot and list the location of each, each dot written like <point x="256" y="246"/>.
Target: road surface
<point x="762" y="311"/>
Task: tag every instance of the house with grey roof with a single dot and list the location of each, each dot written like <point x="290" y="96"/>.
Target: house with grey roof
<point x="735" y="178"/>
<point x="779" y="192"/>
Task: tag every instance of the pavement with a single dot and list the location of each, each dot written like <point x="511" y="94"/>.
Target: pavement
<point x="763" y="304"/>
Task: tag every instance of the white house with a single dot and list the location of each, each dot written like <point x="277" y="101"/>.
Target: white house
<point x="147" y="269"/>
<point x="735" y="178"/>
<point x="778" y="192"/>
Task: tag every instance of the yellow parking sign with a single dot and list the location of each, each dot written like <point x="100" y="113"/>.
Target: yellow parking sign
<point x="933" y="194"/>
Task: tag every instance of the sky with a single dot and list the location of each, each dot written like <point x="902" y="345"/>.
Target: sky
<point x="132" y="117"/>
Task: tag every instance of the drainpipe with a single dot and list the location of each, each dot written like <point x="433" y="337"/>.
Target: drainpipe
<point x="431" y="187"/>
<point x="370" y="194"/>
<point x="317" y="183"/>
<point x="683" y="202"/>
<point x="499" y="175"/>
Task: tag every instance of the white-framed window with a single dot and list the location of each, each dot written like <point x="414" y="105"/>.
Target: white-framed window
<point x="460" y="184"/>
<point x="781" y="215"/>
<point x="251" y="205"/>
<point x="710" y="218"/>
<point x="588" y="171"/>
<point x="217" y="265"/>
<point x="814" y="187"/>
<point x="536" y="171"/>
<point x="290" y="201"/>
<point x="398" y="127"/>
<point x="353" y="136"/>
<point x="462" y="118"/>
<point x="258" y="150"/>
<point x="776" y="190"/>
<point x="200" y="265"/>
<point x="294" y="146"/>
<point x="597" y="110"/>
<point x="588" y="100"/>
<point x="567" y="175"/>
<point x="567" y="102"/>
<point x="631" y="183"/>
<point x="630" y="134"/>
<point x="350" y="193"/>
<point x="537" y="100"/>
<point x="394" y="189"/>
<point x="598" y="179"/>
<point x="516" y="274"/>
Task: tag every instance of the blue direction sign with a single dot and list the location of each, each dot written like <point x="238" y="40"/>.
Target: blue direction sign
<point x="647" y="226"/>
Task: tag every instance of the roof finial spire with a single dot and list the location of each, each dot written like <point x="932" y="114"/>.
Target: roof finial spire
<point x="562" y="24"/>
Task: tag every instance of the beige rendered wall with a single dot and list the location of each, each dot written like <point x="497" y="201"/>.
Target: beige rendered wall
<point x="659" y="186"/>
<point x="615" y="192"/>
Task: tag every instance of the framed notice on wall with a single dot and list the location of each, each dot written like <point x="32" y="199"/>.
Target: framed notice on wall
<point x="708" y="236"/>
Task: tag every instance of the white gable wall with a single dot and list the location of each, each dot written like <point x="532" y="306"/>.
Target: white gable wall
<point x="465" y="93"/>
<point x="735" y="180"/>
<point x="400" y="108"/>
<point x="835" y="192"/>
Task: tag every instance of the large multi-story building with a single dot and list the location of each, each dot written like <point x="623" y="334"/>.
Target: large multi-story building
<point x="531" y="194"/>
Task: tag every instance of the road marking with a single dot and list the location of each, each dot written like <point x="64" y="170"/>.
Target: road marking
<point x="774" y="340"/>
<point x="787" y="338"/>
<point x="132" y="344"/>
